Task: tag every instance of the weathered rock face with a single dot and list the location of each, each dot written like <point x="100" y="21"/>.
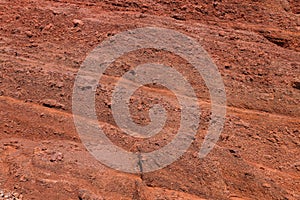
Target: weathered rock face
<point x="254" y="44"/>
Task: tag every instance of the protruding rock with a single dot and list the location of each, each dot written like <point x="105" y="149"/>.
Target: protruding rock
<point x="51" y="103"/>
<point x="296" y="85"/>
<point x="87" y="195"/>
<point x="77" y="22"/>
<point x="57" y="157"/>
<point x="29" y="34"/>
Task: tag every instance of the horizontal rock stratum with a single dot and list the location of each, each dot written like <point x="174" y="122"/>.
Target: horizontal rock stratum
<point x="254" y="45"/>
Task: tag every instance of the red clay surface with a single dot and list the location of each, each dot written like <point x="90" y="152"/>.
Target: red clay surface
<point x="254" y="44"/>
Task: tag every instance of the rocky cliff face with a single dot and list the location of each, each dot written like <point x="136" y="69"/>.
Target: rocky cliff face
<point x="254" y="44"/>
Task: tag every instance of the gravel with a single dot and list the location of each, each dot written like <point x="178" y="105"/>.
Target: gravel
<point x="10" y="195"/>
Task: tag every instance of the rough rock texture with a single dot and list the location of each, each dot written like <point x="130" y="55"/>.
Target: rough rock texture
<point x="255" y="45"/>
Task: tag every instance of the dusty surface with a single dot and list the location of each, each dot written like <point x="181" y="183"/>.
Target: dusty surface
<point x="255" y="45"/>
